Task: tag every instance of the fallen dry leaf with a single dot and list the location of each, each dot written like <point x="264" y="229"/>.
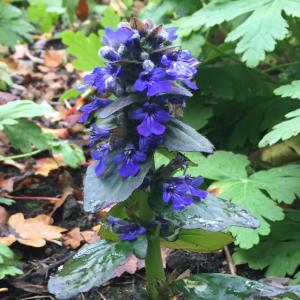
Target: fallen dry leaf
<point x="53" y="58"/>
<point x="3" y="216"/>
<point x="75" y="237"/>
<point x="57" y="132"/>
<point x="43" y="166"/>
<point x="82" y="10"/>
<point x="33" y="231"/>
<point x="6" y="185"/>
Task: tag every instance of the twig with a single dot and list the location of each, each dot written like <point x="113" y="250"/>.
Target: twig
<point x="32" y="198"/>
<point x="101" y="295"/>
<point x="3" y="158"/>
<point x="230" y="262"/>
<point x="38" y="297"/>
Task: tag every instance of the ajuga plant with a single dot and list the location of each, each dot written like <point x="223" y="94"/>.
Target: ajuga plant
<point x="136" y="101"/>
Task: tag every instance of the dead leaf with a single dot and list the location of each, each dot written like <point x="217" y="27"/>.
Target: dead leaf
<point x="75" y="237"/>
<point x="7" y="185"/>
<point x="43" y="166"/>
<point x="3" y="216"/>
<point x="33" y="231"/>
<point x="58" y="132"/>
<point x="7" y="97"/>
<point x="82" y="10"/>
<point x="53" y="58"/>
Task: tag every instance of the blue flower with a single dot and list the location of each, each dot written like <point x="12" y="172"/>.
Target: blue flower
<point x="87" y="109"/>
<point x="115" y="38"/>
<point x="129" y="158"/>
<point x="97" y="134"/>
<point x="191" y="184"/>
<point x="172" y="34"/>
<point x="150" y="142"/>
<point x="152" y="116"/>
<point x="153" y="81"/>
<point x="100" y="154"/>
<point x="102" y="78"/>
<point x="128" y="231"/>
<point x="109" y="53"/>
<point x="176" y="193"/>
<point x="180" y="64"/>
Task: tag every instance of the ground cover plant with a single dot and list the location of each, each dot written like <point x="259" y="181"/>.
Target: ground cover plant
<point x="161" y="137"/>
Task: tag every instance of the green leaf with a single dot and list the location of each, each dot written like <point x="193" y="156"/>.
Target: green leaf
<point x="69" y="94"/>
<point x="24" y="134"/>
<point x="91" y="266"/>
<point x="257" y="193"/>
<point x="71" y="153"/>
<point x="284" y="130"/>
<point x="181" y="137"/>
<point x="210" y="214"/>
<point x="198" y="240"/>
<point x="13" y="27"/>
<point x="22" y="109"/>
<point x="291" y="90"/>
<point x="193" y="43"/>
<point x="110" y="18"/>
<point x="140" y="247"/>
<point x="6" y="201"/>
<point x="84" y="48"/>
<point x="229" y="287"/>
<point x="110" y="187"/>
<point x="260" y="26"/>
<point x="278" y="252"/>
<point x="8" y="263"/>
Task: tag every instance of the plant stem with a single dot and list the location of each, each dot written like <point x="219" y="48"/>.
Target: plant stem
<point x="3" y="158"/>
<point x="154" y="266"/>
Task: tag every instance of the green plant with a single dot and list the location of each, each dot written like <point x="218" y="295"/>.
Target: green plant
<point x="8" y="263"/>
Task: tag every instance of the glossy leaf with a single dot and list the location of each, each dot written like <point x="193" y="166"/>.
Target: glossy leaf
<point x="117" y="105"/>
<point x="210" y="214"/>
<point x="198" y="240"/>
<point x="110" y="187"/>
<point x="91" y="266"/>
<point x="182" y="137"/>
<point x="228" y="287"/>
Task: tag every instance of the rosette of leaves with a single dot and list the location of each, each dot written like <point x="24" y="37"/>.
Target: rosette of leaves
<point x="133" y="113"/>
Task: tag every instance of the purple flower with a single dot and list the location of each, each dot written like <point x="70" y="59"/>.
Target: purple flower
<point x="176" y="193"/>
<point x="97" y="134"/>
<point x="180" y="64"/>
<point x="172" y="34"/>
<point x="191" y="184"/>
<point x="102" y="78"/>
<point x="87" y="109"/>
<point x="109" y="53"/>
<point x="129" y="159"/>
<point x="128" y="231"/>
<point x="115" y="38"/>
<point x="153" y="81"/>
<point x="100" y="154"/>
<point x="150" y="142"/>
<point x="152" y="116"/>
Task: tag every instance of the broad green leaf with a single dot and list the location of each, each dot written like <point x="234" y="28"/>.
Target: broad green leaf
<point x="283" y="130"/>
<point x="24" y="134"/>
<point x="91" y="266"/>
<point x="13" y="27"/>
<point x="291" y="90"/>
<point x="110" y="18"/>
<point x="193" y="43"/>
<point x="260" y="26"/>
<point x="22" y="109"/>
<point x="198" y="240"/>
<point x="71" y="93"/>
<point x="84" y="48"/>
<point x="278" y="252"/>
<point x="71" y="153"/>
<point x="110" y="187"/>
<point x="210" y="214"/>
<point x="8" y="263"/>
<point x="229" y="287"/>
<point x="181" y="137"/>
<point x="257" y="193"/>
<point x="6" y="201"/>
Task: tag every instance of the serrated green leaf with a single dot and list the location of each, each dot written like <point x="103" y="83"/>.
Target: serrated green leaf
<point x="291" y="90"/>
<point x="257" y="192"/>
<point x="91" y="266"/>
<point x="278" y="252"/>
<point x="283" y="130"/>
<point x="24" y="134"/>
<point x="229" y="287"/>
<point x="199" y="240"/>
<point x="8" y="262"/>
<point x="261" y="26"/>
<point x="110" y="18"/>
<point x="193" y="43"/>
<point x="13" y="27"/>
<point x="84" y="48"/>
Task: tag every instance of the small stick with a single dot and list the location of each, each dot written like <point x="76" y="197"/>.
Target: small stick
<point x="101" y="295"/>
<point x="230" y="262"/>
<point x="32" y="198"/>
